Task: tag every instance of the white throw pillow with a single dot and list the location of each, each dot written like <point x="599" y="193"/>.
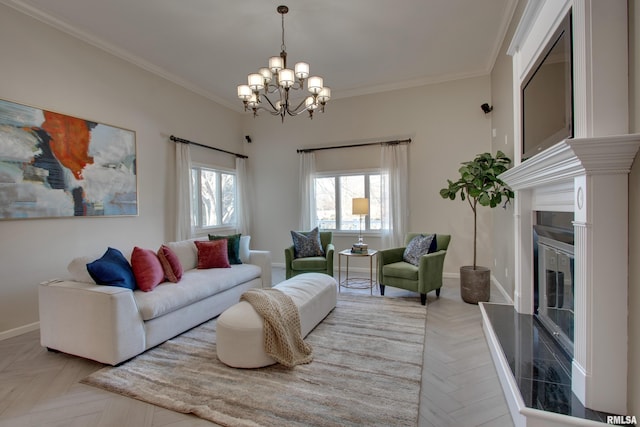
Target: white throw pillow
<point x="186" y="252"/>
<point x="244" y="249"/>
<point x="78" y="269"/>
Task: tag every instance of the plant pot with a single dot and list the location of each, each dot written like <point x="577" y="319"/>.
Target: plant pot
<point x="475" y="284"/>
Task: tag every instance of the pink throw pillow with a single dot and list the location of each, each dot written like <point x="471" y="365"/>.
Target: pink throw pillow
<point x="212" y="254"/>
<point x="146" y="269"/>
<point x="170" y="264"/>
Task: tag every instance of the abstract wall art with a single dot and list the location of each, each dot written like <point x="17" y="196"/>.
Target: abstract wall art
<point x="54" y="165"/>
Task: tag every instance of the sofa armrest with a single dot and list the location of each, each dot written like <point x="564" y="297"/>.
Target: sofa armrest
<point x="101" y="323"/>
<point x="263" y="260"/>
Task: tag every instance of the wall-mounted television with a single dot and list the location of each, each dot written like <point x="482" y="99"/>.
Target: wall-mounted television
<point x="547" y="94"/>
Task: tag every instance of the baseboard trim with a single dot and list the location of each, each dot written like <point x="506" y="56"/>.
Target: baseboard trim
<point x="500" y="288"/>
<point x="5" y="335"/>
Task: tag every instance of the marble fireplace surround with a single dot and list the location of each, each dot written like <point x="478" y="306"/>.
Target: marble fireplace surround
<point x="586" y="175"/>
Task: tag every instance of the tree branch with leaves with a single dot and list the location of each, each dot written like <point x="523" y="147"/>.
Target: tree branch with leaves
<point x="479" y="184"/>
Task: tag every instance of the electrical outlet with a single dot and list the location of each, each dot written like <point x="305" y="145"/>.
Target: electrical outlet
<point x="506" y="272"/>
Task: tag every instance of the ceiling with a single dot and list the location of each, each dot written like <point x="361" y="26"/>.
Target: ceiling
<point x="357" y="46"/>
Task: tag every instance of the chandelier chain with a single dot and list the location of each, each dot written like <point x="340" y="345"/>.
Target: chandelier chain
<point x="283" y="47"/>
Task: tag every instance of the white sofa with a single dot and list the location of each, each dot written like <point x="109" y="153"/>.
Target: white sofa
<point x="112" y="324"/>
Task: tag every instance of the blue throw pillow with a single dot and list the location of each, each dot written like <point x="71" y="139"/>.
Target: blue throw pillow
<point x="307" y="244"/>
<point x="418" y="246"/>
<point x="112" y="269"/>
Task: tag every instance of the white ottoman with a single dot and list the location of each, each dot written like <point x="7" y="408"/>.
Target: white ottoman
<point x="239" y="329"/>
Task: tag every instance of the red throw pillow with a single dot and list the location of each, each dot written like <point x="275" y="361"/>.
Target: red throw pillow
<point x="170" y="264"/>
<point x="212" y="254"/>
<point x="146" y="269"/>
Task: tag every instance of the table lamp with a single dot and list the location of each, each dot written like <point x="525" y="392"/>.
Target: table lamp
<point x="360" y="207"/>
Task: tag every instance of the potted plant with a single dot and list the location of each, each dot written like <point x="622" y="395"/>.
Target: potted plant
<point x="479" y="185"/>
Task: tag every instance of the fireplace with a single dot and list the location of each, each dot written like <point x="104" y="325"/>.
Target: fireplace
<point x="554" y="278"/>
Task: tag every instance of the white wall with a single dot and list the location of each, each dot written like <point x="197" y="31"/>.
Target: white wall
<point x="502" y="123"/>
<point x="447" y="127"/>
<point x="45" y="68"/>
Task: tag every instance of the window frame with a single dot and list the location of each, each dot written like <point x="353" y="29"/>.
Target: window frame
<point x="198" y="226"/>
<point x="366" y="223"/>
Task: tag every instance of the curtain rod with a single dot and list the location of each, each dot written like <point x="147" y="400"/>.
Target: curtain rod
<point x="186" y="141"/>
<point x="393" y="142"/>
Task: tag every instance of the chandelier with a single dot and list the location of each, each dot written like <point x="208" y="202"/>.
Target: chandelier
<point x="274" y="83"/>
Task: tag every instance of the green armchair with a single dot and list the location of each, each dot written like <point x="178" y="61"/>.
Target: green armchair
<point x="394" y="272"/>
<point x="317" y="264"/>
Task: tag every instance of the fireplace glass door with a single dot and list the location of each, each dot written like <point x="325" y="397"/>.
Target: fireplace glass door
<point x="555" y="290"/>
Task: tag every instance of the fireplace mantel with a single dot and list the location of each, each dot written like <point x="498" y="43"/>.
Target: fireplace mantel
<point x="575" y="157"/>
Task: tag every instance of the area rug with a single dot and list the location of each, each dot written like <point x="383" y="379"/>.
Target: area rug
<point x="366" y="370"/>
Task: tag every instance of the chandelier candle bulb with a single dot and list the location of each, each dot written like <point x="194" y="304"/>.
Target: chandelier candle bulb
<point x="324" y="95"/>
<point x="315" y="84"/>
<point x="244" y="92"/>
<point x="310" y="103"/>
<point x="285" y="77"/>
<point x="256" y="81"/>
<point x="276" y="64"/>
<point x="302" y="70"/>
<point x="267" y="75"/>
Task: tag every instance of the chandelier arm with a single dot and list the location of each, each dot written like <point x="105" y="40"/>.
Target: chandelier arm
<point x="296" y="111"/>
<point x="272" y="106"/>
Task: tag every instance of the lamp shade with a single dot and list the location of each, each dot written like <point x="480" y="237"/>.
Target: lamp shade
<point x="360" y="206"/>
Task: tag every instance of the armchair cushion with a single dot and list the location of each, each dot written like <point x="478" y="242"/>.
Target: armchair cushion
<point x="307" y="244"/>
<point x="309" y="263"/>
<point x="401" y="269"/>
<point x="420" y="245"/>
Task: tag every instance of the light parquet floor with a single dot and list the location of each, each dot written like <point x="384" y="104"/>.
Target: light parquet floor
<point x="459" y="387"/>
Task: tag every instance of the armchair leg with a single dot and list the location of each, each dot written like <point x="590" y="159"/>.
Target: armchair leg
<point x="423" y="299"/>
<point x="438" y="292"/>
<point x="381" y="289"/>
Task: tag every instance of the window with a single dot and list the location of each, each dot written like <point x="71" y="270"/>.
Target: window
<point x="334" y="194"/>
<point x="213" y="198"/>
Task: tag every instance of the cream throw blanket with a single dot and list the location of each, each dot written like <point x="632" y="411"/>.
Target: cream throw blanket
<point x="282" y="337"/>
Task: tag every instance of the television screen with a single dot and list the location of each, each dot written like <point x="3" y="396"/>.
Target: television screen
<point x="547" y="95"/>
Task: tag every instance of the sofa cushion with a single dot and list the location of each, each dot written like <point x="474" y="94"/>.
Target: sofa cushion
<point x="213" y="254"/>
<point x="233" y="246"/>
<point x="195" y="285"/>
<point x="245" y="252"/>
<point x="170" y="264"/>
<point x="146" y="269"/>
<point x="112" y="269"/>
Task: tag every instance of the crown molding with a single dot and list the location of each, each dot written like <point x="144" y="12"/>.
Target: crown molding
<point x="123" y="54"/>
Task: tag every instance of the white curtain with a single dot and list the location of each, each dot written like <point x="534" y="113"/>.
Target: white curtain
<point x="308" y="219"/>
<point x="395" y="207"/>
<point x="244" y="197"/>
<point x="183" y="192"/>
